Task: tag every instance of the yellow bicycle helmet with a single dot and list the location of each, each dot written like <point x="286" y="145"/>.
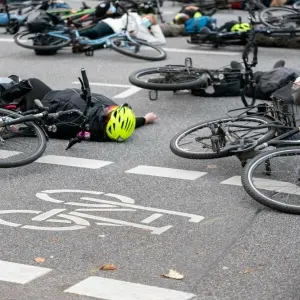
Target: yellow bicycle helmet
<point x="121" y="124"/>
<point x="239" y="27"/>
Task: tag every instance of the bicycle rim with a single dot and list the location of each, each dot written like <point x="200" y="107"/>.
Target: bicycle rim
<point x="39" y="41"/>
<point x="278" y="17"/>
<point x="20" y="144"/>
<point x="273" y="179"/>
<point x="168" y="78"/>
<point x="195" y="144"/>
<point x="139" y="49"/>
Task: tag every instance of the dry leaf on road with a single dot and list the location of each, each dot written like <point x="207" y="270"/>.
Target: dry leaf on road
<point x="108" y="267"/>
<point x="39" y="259"/>
<point x="211" y="166"/>
<point x="173" y="275"/>
<point x="249" y="270"/>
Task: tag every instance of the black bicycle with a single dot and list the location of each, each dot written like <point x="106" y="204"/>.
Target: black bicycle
<point x="272" y="178"/>
<point x="241" y="133"/>
<point x="23" y="136"/>
<point x="280" y="17"/>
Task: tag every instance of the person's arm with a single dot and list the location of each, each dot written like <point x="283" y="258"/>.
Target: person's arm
<point x="140" y="121"/>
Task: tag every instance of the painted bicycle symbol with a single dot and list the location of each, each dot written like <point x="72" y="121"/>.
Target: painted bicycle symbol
<point x="81" y="218"/>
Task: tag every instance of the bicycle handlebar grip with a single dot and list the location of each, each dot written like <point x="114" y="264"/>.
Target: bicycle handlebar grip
<point x="84" y="78"/>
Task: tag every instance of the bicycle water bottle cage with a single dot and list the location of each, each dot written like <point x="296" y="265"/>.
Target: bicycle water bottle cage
<point x="153" y="95"/>
<point x="188" y="62"/>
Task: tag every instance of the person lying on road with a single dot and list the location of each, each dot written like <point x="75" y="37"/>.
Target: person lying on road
<point x="107" y="120"/>
<point x="142" y="27"/>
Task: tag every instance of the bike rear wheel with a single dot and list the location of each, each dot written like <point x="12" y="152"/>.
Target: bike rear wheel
<point x="272" y="179"/>
<point x="140" y="49"/>
<point x="40" y="41"/>
<point x="280" y="17"/>
<point x="169" y="78"/>
<point x="193" y="144"/>
<point x="20" y="144"/>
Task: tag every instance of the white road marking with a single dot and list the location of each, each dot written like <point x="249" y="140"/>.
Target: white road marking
<point x="174" y="50"/>
<point x="127" y="93"/>
<point x="166" y="172"/>
<point x="106" y="84"/>
<point x="20" y="273"/>
<point x="6" y="153"/>
<point x="152" y="218"/>
<point x="7" y="40"/>
<point x="110" y="289"/>
<point x="267" y="184"/>
<point x="73" y="161"/>
<point x="192" y="218"/>
<point x="154" y="230"/>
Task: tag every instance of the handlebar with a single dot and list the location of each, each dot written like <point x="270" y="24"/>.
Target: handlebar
<point x="84" y="78"/>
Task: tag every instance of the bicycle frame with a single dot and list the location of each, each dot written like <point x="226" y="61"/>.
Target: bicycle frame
<point x="96" y="42"/>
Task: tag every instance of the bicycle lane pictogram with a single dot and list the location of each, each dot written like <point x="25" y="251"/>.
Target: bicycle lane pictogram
<point x="80" y="217"/>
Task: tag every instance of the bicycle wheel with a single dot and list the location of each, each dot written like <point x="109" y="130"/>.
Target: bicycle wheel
<point x="20" y="144"/>
<point x="40" y="41"/>
<point x="279" y="17"/>
<point x="192" y="144"/>
<point x="296" y="5"/>
<point x="140" y="50"/>
<point x="272" y="179"/>
<point x="169" y="78"/>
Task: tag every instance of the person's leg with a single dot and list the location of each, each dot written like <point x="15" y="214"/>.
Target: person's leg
<point x="39" y="91"/>
<point x="101" y="29"/>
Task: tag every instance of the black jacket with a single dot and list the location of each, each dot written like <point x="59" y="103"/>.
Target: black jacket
<point x="68" y="126"/>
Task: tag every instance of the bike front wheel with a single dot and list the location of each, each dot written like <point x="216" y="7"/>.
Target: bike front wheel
<point x="169" y="78"/>
<point x="199" y="141"/>
<point x="137" y="49"/>
<point x="273" y="179"/>
<point x="20" y="144"/>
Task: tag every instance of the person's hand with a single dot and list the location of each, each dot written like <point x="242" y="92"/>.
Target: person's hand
<point x="150" y="117"/>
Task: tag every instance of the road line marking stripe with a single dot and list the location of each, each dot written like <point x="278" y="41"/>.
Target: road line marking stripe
<point x="106" y="84"/>
<point x="151" y="218"/>
<point x="73" y="161"/>
<point x="166" y="172"/>
<point x="127" y="93"/>
<point x="111" y="289"/>
<point x="267" y="184"/>
<point x="20" y="273"/>
<point x="175" y="50"/>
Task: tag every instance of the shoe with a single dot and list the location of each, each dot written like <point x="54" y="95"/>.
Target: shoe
<point x="279" y="64"/>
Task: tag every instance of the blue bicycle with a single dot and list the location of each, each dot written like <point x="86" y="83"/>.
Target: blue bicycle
<point x="49" y="42"/>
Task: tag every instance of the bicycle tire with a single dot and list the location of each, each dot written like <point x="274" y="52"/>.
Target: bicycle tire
<point x="114" y="45"/>
<point x="270" y="9"/>
<point x="192" y="155"/>
<point x="40" y="135"/>
<point x="134" y="78"/>
<point x="296" y="5"/>
<point x="18" y="36"/>
<point x="247" y="181"/>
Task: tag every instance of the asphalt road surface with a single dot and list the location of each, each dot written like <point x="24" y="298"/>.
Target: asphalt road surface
<point x="136" y="205"/>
